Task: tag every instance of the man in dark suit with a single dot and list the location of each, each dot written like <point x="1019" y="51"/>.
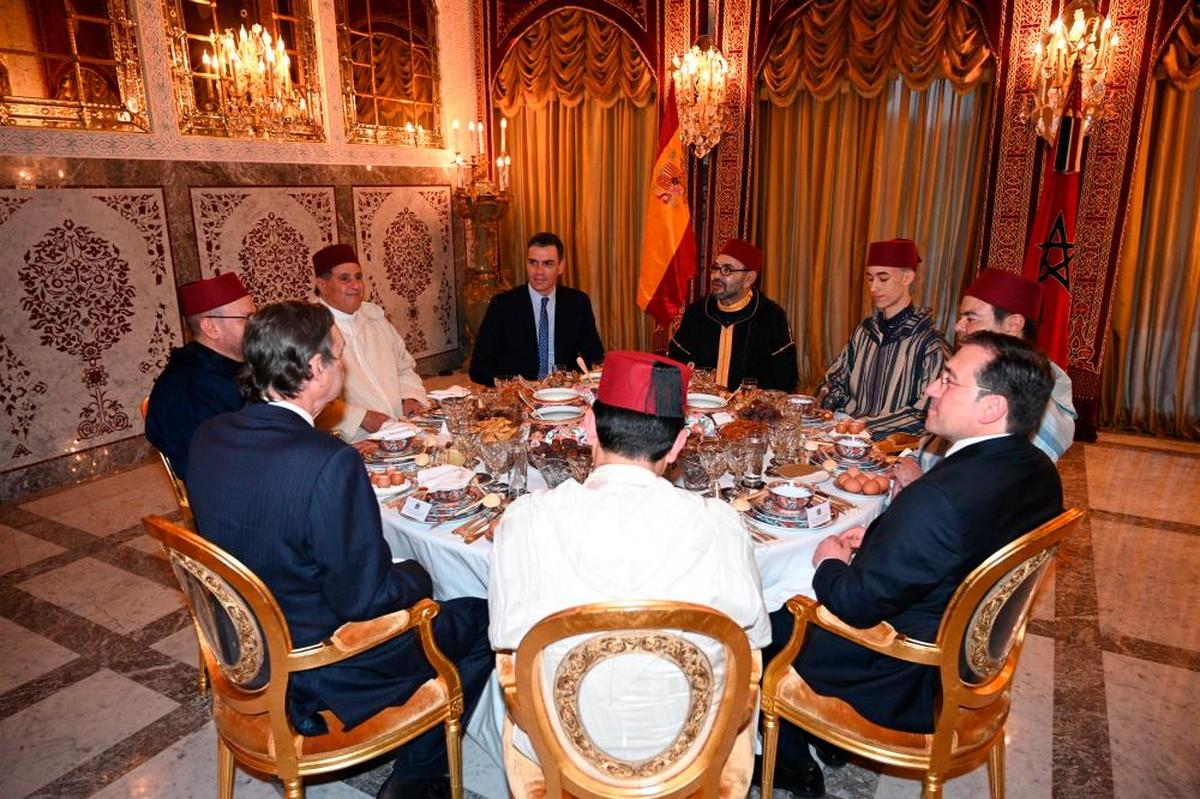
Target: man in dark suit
<point x="295" y="506"/>
<point x="992" y="487"/>
<point x="531" y="328"/>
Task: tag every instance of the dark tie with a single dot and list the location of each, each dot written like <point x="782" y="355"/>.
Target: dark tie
<point x="544" y="340"/>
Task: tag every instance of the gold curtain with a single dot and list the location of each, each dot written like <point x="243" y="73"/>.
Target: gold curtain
<point x="865" y="43"/>
<point x="833" y="175"/>
<point x="581" y="152"/>
<point x="571" y="56"/>
<point x="1181" y="60"/>
<point x="1152" y="379"/>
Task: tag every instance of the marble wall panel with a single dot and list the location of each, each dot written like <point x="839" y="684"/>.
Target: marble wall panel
<point x="407" y="253"/>
<point x="266" y="235"/>
<point x="89" y="319"/>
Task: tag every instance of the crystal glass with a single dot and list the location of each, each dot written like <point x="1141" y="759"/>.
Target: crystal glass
<point x="713" y="460"/>
<point x="784" y="435"/>
<point x="749" y="387"/>
<point x="694" y="476"/>
<point x="518" y="451"/>
<point x="466" y="441"/>
<point x="738" y="456"/>
<point x="460" y="412"/>
<point x="580" y="461"/>
<point x="757" y="453"/>
<point x="497" y="457"/>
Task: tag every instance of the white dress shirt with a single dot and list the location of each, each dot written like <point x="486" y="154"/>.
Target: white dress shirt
<point x="623" y="535"/>
<point x="536" y="298"/>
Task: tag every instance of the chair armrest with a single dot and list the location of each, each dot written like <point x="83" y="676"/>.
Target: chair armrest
<point x="356" y="637"/>
<point x="506" y="674"/>
<point x="881" y="638"/>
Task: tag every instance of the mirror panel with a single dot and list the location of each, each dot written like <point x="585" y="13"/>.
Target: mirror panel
<point x="71" y="64"/>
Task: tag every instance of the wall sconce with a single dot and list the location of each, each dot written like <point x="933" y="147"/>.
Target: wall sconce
<point x="699" y="77"/>
<point x="1080" y="36"/>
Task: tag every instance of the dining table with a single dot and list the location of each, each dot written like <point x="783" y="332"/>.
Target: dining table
<point x="460" y="569"/>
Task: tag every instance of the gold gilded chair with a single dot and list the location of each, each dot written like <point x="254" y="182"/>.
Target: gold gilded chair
<point x="185" y="513"/>
<point x="697" y="762"/>
<point x="181" y="496"/>
<point x="975" y="652"/>
<point x="248" y="651"/>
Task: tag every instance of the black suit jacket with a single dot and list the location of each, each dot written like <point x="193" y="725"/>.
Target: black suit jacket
<point x="295" y="506"/>
<point x="507" y="340"/>
<point x="911" y="561"/>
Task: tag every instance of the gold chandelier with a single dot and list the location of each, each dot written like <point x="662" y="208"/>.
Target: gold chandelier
<point x="699" y="77"/>
<point x="1080" y="36"/>
<point x="248" y="81"/>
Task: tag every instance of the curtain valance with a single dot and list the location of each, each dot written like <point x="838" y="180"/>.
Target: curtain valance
<point x="834" y="44"/>
<point x="570" y="56"/>
<point x="1180" y="61"/>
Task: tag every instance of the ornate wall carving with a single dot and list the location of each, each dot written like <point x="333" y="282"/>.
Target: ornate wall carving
<point x="266" y="235"/>
<point x="406" y="249"/>
<point x="89" y="320"/>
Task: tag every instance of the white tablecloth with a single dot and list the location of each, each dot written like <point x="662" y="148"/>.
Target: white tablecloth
<point x="460" y="569"/>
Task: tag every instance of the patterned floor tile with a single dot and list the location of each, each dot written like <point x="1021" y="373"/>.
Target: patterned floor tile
<point x="1152" y="712"/>
<point x="104" y="594"/>
<point x="103" y="507"/>
<point x="27" y="655"/>
<point x="50" y="738"/>
<point x="1154" y="485"/>
<point x="18" y="549"/>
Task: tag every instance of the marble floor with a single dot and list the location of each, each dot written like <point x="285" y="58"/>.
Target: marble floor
<point x="97" y="676"/>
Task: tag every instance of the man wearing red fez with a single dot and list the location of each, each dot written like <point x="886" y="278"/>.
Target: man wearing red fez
<point x="200" y="380"/>
<point x="736" y="330"/>
<point x="532" y="329"/>
<point x="1005" y="302"/>
<point x="381" y="377"/>
<point x="881" y="374"/>
<point x="627" y="534"/>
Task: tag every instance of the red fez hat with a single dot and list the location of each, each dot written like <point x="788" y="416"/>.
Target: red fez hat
<point x="1009" y="292"/>
<point x="326" y="258"/>
<point x="744" y="251"/>
<point x="200" y="296"/>
<point x="645" y="383"/>
<point x="894" y="252"/>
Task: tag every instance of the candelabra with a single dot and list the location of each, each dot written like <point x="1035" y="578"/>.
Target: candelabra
<point x="1081" y="37"/>
<point x="481" y="199"/>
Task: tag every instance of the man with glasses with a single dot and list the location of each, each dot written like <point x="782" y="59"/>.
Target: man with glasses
<point x="736" y="330"/>
<point x="381" y="376"/>
<point x="892" y="354"/>
<point x="993" y="486"/>
<point x="200" y="380"/>
<point x="1004" y="302"/>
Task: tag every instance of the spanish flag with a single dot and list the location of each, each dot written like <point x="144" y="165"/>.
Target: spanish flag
<point x="668" y="241"/>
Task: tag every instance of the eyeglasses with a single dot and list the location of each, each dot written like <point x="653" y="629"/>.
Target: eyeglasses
<point x="947" y="380"/>
<point x="726" y="270"/>
<point x="226" y="316"/>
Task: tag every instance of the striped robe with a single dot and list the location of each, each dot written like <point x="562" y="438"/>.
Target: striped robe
<point x="881" y="380"/>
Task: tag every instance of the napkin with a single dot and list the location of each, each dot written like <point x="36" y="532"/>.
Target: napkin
<point x="444" y="478"/>
<point x="449" y="393"/>
<point x="395" y="430"/>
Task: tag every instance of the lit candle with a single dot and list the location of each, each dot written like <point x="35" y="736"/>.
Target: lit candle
<point x="471" y="128"/>
<point x="479" y="127"/>
<point x="503" y="135"/>
<point x="454" y="134"/>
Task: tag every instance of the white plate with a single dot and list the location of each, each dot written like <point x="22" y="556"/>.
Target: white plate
<point x="391" y="491"/>
<point x="556" y="394"/>
<point x="705" y="402"/>
<point x="558" y="413"/>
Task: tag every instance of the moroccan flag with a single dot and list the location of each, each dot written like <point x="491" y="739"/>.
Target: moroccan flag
<point x="1051" y="244"/>
<point x="668" y="242"/>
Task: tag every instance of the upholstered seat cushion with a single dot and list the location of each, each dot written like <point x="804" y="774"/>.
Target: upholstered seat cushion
<point x="525" y="780"/>
<point x="798" y="701"/>
<point x="250" y="735"/>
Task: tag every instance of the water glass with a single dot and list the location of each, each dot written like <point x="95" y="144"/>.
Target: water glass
<point x="713" y="460"/>
<point x="756" y="454"/>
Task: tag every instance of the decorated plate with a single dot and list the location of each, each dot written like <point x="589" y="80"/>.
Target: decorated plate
<point x="705" y="402"/>
<point x="558" y="414"/>
<point x="785" y="524"/>
<point x="555" y="395"/>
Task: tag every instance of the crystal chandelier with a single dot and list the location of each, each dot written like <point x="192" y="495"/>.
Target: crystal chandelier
<point x="1082" y="36"/>
<point x="248" y="81"/>
<point x="699" y="76"/>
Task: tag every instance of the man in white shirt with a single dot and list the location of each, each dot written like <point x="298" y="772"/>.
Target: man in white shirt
<point x="381" y="377"/>
<point x="626" y="534"/>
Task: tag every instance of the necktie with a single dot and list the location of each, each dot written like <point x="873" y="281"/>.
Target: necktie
<point x="544" y="340"/>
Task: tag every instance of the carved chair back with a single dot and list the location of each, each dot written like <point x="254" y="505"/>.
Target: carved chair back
<point x="549" y="710"/>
